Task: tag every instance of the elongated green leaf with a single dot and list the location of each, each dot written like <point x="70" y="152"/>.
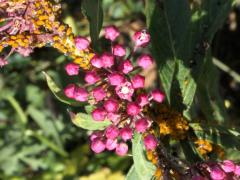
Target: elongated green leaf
<point x="144" y="169"/>
<point x="58" y="93"/>
<point x="94" y="12"/>
<point x="85" y="121"/>
<point x="132" y="174"/>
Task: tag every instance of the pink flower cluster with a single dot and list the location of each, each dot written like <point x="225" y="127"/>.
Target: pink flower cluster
<point x="220" y="171"/>
<point x="112" y="86"/>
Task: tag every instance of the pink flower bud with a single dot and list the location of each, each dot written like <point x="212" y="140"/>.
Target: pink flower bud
<point x="118" y="50"/>
<point x="111" y="32"/>
<point x="237" y="170"/>
<point x="96" y="134"/>
<point x="99" y="114"/>
<point x="126" y="66"/>
<point x="96" y="61"/>
<point x="80" y="94"/>
<point x="72" y="69"/>
<point x="98" y="145"/>
<point x="217" y="173"/>
<point x="91" y="77"/>
<point x="3" y="62"/>
<point x="138" y="81"/>
<point x="107" y="60"/>
<point x="141" y="125"/>
<point x="125" y="90"/>
<point x="81" y="43"/>
<point x="121" y="149"/>
<point x="228" y="166"/>
<point x="111" y="144"/>
<point x="113" y="117"/>
<point x="145" y="61"/>
<point x="99" y="94"/>
<point x="158" y="96"/>
<point x="150" y="142"/>
<point x="126" y="133"/>
<point x="142" y="100"/>
<point x="111" y="105"/>
<point x="115" y="79"/>
<point x="69" y="90"/>
<point x="133" y="109"/>
<point x="112" y="132"/>
<point x="141" y="38"/>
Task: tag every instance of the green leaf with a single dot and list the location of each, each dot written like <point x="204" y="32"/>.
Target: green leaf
<point x="86" y="121"/>
<point x="144" y="169"/>
<point x="58" y="93"/>
<point x="132" y="174"/>
<point x="94" y="12"/>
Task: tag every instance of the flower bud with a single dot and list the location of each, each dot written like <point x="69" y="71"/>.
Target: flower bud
<point x="145" y="61"/>
<point x="96" y="61"/>
<point x="91" y="77"/>
<point x="228" y="166"/>
<point x="126" y="66"/>
<point x="113" y="117"/>
<point x="96" y="134"/>
<point x="111" y="32"/>
<point x="107" y="60"/>
<point x="72" y="69"/>
<point x="158" y="96"/>
<point x="121" y="149"/>
<point x="237" y="170"/>
<point x="142" y="100"/>
<point x="141" y="125"/>
<point x="111" y="132"/>
<point x="81" y="43"/>
<point x="69" y="90"/>
<point x="133" y="109"/>
<point x="150" y="142"/>
<point x="138" y="81"/>
<point x="141" y="38"/>
<point x="80" y="94"/>
<point x="99" y="114"/>
<point x="111" y="144"/>
<point x="126" y="133"/>
<point x="115" y="79"/>
<point x="111" y="105"/>
<point x="99" y="94"/>
<point x="98" y="145"/>
<point x="217" y="173"/>
<point x="118" y="50"/>
<point x="3" y="62"/>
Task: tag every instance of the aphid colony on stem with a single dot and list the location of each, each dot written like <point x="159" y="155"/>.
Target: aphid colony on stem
<point x="115" y="87"/>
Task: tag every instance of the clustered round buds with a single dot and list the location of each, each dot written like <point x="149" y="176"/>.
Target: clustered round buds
<point x="112" y="86"/>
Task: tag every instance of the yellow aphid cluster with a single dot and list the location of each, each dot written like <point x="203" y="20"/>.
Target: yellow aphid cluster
<point x="38" y="26"/>
<point x="171" y="123"/>
<point x="204" y="147"/>
<point x="153" y="157"/>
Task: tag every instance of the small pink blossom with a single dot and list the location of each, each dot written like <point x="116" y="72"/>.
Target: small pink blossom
<point x="150" y="142"/>
<point x="113" y="117"/>
<point x="126" y="133"/>
<point x="99" y="114"/>
<point x="115" y="79"/>
<point x="112" y="132"/>
<point x="138" y="81"/>
<point x="107" y="60"/>
<point x="217" y="173"/>
<point x="126" y="66"/>
<point x="141" y="38"/>
<point x="96" y="61"/>
<point x="98" y="145"/>
<point x="228" y="166"/>
<point x="158" y="96"/>
<point x="142" y="100"/>
<point x="3" y="62"/>
<point x="121" y="149"/>
<point x="141" y="125"/>
<point x="111" y="32"/>
<point x="145" y="61"/>
<point x="80" y="94"/>
<point x="133" y="109"/>
<point x="237" y="170"/>
<point x="99" y="93"/>
<point x="125" y="90"/>
<point x="111" y="105"/>
<point x="69" y="90"/>
<point x="72" y="69"/>
<point x="91" y="77"/>
<point x="96" y="134"/>
<point x="118" y="50"/>
<point x="81" y="43"/>
<point x="111" y="144"/>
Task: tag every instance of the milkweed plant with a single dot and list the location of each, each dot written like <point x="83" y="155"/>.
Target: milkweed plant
<point x="159" y="127"/>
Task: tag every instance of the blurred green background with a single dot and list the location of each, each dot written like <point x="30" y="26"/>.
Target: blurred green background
<point x="37" y="138"/>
